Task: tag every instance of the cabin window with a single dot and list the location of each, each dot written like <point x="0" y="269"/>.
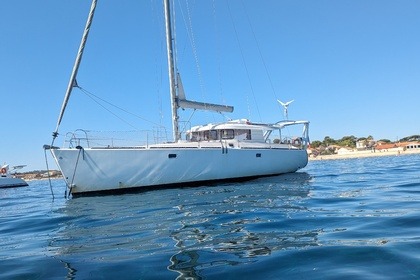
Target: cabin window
<point x="206" y="135"/>
<point x="172" y="156"/>
<point x="194" y="137"/>
<point x="228" y="134"/>
<point x="213" y="134"/>
<point x="243" y="134"/>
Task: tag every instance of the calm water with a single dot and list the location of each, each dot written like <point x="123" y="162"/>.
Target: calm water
<point x="342" y="219"/>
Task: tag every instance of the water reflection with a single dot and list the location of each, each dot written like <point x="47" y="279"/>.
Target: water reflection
<point x="240" y="226"/>
<point x="185" y="264"/>
<point x="192" y="228"/>
<point x="71" y="272"/>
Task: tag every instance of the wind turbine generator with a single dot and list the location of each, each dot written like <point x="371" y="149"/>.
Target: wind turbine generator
<point x="285" y="106"/>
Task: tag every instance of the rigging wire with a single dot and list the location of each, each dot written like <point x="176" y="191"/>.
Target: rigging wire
<point x="48" y="172"/>
<point x="188" y="121"/>
<point x="95" y="98"/>
<point x="158" y="58"/>
<point x="74" y="171"/>
<point x="91" y="96"/>
<point x="174" y="41"/>
<point x="190" y="33"/>
<point x="259" y="52"/>
<point x="243" y="60"/>
<point x="194" y="49"/>
<point x="262" y="58"/>
<point x="218" y="53"/>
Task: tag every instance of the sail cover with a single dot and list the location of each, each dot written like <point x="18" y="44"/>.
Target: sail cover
<point x="188" y="104"/>
<point x="183" y="103"/>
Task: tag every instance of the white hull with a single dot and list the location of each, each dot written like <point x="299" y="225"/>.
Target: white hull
<point x="8" y="182"/>
<point x="93" y="170"/>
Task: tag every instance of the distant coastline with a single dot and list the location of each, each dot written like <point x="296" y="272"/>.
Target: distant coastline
<point x="366" y="153"/>
<point x="39" y="175"/>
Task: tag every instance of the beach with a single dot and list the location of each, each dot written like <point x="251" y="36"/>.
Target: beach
<point x="365" y="154"/>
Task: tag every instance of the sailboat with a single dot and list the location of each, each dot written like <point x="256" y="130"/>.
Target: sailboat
<point x="8" y="180"/>
<point x="231" y="150"/>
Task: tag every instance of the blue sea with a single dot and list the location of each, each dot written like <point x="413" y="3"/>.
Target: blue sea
<point x="336" y="219"/>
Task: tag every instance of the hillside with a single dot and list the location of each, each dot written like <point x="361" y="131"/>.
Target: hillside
<point x="38" y="175"/>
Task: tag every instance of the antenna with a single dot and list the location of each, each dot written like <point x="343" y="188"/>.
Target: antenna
<point x="285" y="105"/>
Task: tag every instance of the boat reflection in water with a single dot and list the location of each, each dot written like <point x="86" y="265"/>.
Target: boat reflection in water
<point x="192" y="230"/>
<point x="242" y="228"/>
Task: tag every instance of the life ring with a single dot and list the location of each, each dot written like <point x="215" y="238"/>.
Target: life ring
<point x="297" y="142"/>
<point x="3" y="171"/>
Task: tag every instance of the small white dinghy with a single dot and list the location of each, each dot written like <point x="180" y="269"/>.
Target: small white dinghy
<point x="7" y="180"/>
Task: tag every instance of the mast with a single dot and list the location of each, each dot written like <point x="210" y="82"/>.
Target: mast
<point x="171" y="71"/>
<point x="178" y="99"/>
<point x="72" y="81"/>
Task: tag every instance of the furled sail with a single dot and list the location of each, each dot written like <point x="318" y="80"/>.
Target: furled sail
<point x="72" y="82"/>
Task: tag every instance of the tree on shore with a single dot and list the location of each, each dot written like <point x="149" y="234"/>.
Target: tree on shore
<point x="329" y="145"/>
<point x="346" y="141"/>
<point x="410" y="138"/>
<point x="350" y="141"/>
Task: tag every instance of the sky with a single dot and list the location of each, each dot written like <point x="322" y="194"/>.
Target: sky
<point x="352" y="67"/>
